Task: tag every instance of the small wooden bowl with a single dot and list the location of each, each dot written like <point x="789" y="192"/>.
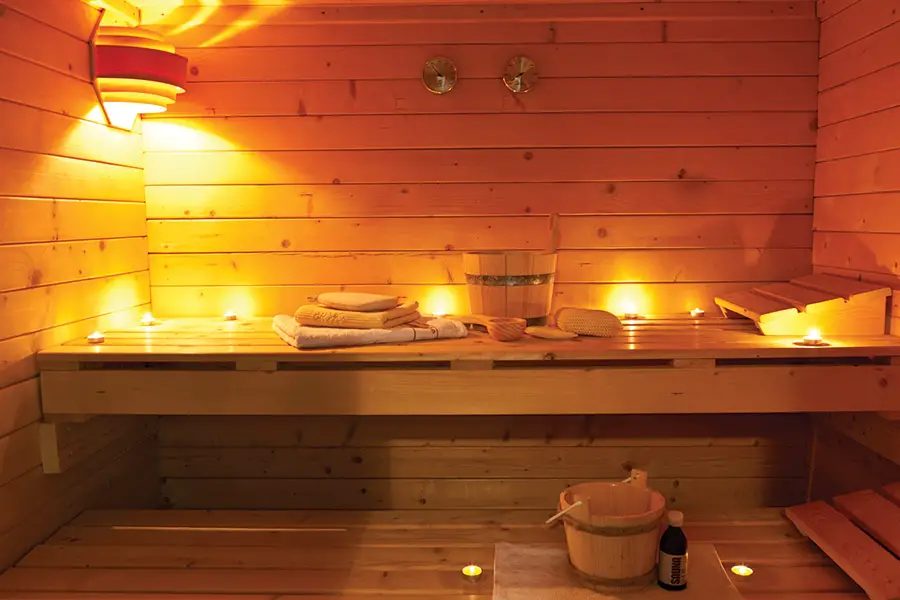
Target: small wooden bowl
<point x="506" y="329"/>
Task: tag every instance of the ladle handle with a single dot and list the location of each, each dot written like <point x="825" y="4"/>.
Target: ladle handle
<point x="561" y="513"/>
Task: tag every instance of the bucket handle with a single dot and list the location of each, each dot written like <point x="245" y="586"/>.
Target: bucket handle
<point x="637" y="477"/>
<point x="561" y="513"/>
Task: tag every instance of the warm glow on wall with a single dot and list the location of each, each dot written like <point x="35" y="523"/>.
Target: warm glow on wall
<point x="137" y="72"/>
<point x="440" y="301"/>
<point x="629" y="301"/>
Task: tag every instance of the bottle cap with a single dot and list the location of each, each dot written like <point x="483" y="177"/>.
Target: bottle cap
<point x="676" y="518"/>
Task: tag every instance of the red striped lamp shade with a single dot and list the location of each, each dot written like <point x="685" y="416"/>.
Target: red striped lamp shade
<point x="137" y="73"/>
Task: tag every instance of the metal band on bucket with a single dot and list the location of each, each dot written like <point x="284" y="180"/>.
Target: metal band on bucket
<point x="604" y="584"/>
<point x="509" y="280"/>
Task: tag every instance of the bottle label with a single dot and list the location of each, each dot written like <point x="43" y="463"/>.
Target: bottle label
<point x="673" y="569"/>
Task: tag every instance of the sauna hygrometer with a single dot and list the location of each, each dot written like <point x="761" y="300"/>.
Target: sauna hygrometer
<point x="439" y="75"/>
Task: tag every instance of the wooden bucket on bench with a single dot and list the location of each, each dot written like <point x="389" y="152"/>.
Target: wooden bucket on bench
<point x="510" y="284"/>
<point x="613" y="537"/>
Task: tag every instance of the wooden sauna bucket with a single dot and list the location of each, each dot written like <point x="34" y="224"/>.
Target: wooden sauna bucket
<point x="510" y="284"/>
<point x="613" y="537"/>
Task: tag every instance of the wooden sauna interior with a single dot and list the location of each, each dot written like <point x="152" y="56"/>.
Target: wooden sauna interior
<point x="672" y="151"/>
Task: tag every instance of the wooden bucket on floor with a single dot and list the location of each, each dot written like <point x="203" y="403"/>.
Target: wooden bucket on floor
<point x="613" y="537"/>
<point x="510" y="284"/>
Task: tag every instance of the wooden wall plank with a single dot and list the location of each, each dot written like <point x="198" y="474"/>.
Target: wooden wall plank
<point x="664" y="298"/>
<point x="456" y="493"/>
<point x="33" y="85"/>
<point x="34" y="130"/>
<point x="742" y="30"/>
<point x="20" y="453"/>
<point x="868" y="134"/>
<point x="865" y="253"/>
<point x="494" y="131"/>
<point x="51" y="291"/>
<point x="729" y="27"/>
<point x="865" y="56"/>
<point x="859" y="174"/>
<point x="487" y="463"/>
<point x="40" y="308"/>
<point x="858" y="21"/>
<point x="477" y="233"/>
<point x="671" y="110"/>
<point x="383" y="166"/>
<point x="630" y="94"/>
<point x="32" y="491"/>
<point x="62" y="507"/>
<point x="854" y="218"/>
<point x="424" y="12"/>
<point x="828" y="8"/>
<point x="843" y="465"/>
<point x="66" y="445"/>
<point x="36" y="42"/>
<point x="32" y="265"/>
<point x="386" y="200"/>
<point x="870" y="93"/>
<point x="17" y="362"/>
<point x="785" y="231"/>
<point x="714" y="431"/>
<point x="41" y="175"/>
<point x="293" y="268"/>
<point x="479" y="61"/>
<point x="870" y="430"/>
<point x="24" y="220"/>
<point x="864" y="213"/>
<point x="20" y="405"/>
<point x="75" y="18"/>
<point x="445" y="233"/>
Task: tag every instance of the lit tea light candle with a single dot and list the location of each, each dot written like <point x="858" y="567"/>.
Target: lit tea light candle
<point x="230" y="315"/>
<point x="697" y="312"/>
<point x="813" y="338"/>
<point x="439" y="315"/>
<point x="96" y="338"/>
<point x="148" y="320"/>
<point x="472" y="573"/>
<point x="742" y="570"/>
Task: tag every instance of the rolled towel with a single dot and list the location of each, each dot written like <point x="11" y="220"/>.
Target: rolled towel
<point x="319" y="316"/>
<point x="302" y="337"/>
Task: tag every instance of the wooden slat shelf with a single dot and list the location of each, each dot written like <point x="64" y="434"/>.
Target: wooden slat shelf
<point x="355" y="554"/>
<point x="656" y="365"/>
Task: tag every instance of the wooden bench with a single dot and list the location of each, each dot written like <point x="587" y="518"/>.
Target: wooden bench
<point x="657" y="365"/>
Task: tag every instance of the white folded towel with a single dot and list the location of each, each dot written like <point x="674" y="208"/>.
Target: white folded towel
<point x="301" y="336"/>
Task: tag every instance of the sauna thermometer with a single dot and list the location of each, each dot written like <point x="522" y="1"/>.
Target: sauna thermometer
<point x="439" y="75"/>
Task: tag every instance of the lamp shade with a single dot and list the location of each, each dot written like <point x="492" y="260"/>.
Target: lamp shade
<point x="137" y="72"/>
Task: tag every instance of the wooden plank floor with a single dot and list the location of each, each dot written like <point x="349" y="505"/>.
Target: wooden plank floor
<point x="261" y="555"/>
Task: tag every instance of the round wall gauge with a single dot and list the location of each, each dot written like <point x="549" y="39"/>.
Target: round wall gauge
<point x="520" y="75"/>
<point x="439" y="75"/>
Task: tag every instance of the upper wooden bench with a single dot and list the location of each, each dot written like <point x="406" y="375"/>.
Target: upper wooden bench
<point x="707" y="365"/>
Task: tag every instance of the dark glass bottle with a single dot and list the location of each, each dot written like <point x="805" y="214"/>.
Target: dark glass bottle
<point x="672" y="571"/>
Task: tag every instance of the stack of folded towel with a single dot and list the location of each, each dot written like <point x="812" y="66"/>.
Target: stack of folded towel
<point x="353" y="319"/>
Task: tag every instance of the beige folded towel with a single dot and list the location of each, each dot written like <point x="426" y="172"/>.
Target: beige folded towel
<point x="319" y="316"/>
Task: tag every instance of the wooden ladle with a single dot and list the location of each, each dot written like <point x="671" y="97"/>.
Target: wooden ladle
<point x="502" y="329"/>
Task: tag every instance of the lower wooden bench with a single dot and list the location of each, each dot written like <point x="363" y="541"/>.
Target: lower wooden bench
<point x="211" y="367"/>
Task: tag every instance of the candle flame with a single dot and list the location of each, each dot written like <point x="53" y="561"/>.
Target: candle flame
<point x="814" y="335"/>
<point x="472" y="570"/>
<point x="742" y="570"/>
